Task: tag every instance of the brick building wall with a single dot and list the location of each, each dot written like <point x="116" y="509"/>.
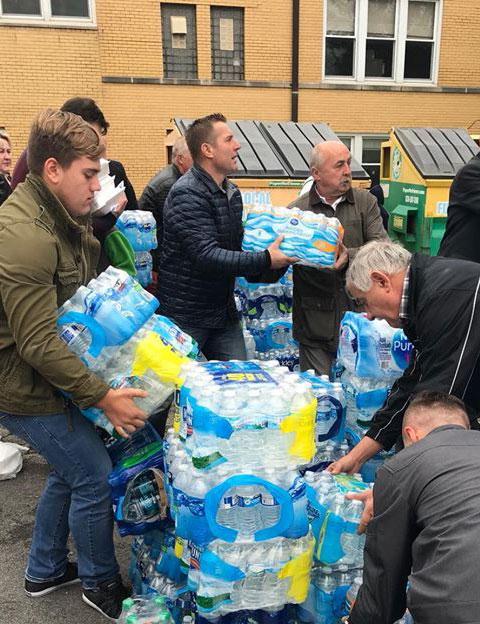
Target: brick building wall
<point x="119" y="63"/>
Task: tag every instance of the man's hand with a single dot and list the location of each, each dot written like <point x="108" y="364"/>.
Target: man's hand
<point x="342" y="258"/>
<point x="367" y="499"/>
<point x="348" y="463"/>
<point x="277" y="257"/>
<point x="122" y="411"/>
<point x="352" y="461"/>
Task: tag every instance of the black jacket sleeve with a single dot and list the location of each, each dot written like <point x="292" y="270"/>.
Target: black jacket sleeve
<point x="188" y="214"/>
<point x="465" y="189"/>
<point x="448" y="326"/>
<point x="387" y="556"/>
<point x="153" y="199"/>
<point x="119" y="173"/>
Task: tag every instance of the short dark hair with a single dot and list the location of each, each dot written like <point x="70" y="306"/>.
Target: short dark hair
<point x="433" y="409"/>
<point x="428" y="399"/>
<point x="87" y="109"/>
<point x="200" y="131"/>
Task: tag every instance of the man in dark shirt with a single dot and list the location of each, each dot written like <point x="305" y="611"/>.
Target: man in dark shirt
<point x="463" y="223"/>
<point x="155" y="193"/>
<point x="425" y="524"/>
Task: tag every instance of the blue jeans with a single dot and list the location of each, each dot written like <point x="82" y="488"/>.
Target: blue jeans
<point x="76" y="497"/>
<point x="226" y="343"/>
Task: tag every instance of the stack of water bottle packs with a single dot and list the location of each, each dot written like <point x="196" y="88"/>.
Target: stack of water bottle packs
<point x="314" y="238"/>
<point x="267" y="318"/>
<point x="111" y="326"/>
<point x="338" y="553"/>
<point x="139" y="227"/>
<point x="237" y="497"/>
<point x="371" y="355"/>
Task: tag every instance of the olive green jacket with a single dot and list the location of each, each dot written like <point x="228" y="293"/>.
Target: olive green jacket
<point x="319" y="297"/>
<point x="45" y="255"/>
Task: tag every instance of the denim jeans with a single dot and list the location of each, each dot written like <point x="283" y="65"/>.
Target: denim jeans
<point x="76" y="497"/>
<point x="226" y="343"/>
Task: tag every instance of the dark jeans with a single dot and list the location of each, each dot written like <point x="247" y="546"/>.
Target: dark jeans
<point x="76" y="497"/>
<point x="222" y="344"/>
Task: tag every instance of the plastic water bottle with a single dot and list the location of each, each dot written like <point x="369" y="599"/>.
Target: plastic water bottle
<point x="143" y="266"/>
<point x="353" y="543"/>
<point x="352" y="593"/>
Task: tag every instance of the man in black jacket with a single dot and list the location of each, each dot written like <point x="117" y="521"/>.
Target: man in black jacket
<point x="425" y="524"/>
<point x="201" y="248"/>
<point x="437" y="303"/>
<point x="463" y="223"/>
<point x="155" y="193"/>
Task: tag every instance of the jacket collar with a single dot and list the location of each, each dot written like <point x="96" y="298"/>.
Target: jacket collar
<point x="54" y="212"/>
<point x="444" y="428"/>
<point x="316" y="201"/>
<point x="200" y="173"/>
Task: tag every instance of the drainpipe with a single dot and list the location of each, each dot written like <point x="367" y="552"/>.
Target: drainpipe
<point x="295" y="57"/>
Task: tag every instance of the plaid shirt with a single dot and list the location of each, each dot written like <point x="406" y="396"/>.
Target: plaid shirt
<point x="403" y="313"/>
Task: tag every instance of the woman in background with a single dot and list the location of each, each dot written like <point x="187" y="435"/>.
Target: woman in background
<point x="5" y="165"/>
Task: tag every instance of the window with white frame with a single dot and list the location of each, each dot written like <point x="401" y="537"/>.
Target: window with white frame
<point x="366" y="150"/>
<point x="382" y="40"/>
<point x="70" y="12"/>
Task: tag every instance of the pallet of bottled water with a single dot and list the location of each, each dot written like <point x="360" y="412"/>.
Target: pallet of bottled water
<point x="111" y="326"/>
<point x="314" y="238"/>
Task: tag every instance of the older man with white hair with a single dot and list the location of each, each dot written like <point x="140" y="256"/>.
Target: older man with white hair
<point x="319" y="298"/>
<point x="437" y="303"/>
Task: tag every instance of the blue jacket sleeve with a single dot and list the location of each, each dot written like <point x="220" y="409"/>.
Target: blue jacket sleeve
<point x="188" y="214"/>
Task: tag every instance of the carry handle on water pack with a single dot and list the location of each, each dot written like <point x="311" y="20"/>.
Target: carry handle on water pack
<point x="215" y="495"/>
<point x="335" y="428"/>
<point x="93" y="326"/>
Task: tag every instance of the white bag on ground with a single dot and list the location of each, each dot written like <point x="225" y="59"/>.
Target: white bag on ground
<point x="11" y="459"/>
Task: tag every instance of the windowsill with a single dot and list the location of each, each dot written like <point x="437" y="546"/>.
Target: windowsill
<point x="428" y="87"/>
<point x="86" y="24"/>
<point x="195" y="82"/>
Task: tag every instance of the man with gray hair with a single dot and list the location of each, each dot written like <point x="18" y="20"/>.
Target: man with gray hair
<point x="155" y="193"/>
<point x="424" y="529"/>
<point x="319" y="297"/>
<point x="437" y="303"/>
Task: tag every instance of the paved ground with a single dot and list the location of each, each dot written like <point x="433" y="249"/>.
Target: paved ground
<point x="18" y="500"/>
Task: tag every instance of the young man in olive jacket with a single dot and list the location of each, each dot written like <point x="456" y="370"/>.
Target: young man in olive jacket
<point x="47" y="251"/>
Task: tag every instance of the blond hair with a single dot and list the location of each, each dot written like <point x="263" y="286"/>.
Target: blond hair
<point x="63" y="136"/>
<point x="5" y="136"/>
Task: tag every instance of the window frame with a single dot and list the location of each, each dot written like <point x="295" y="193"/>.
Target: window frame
<point x="400" y="38"/>
<point x="46" y="19"/>
<point x="356" y="145"/>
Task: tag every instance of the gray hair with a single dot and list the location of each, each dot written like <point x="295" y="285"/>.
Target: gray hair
<point x="381" y="256"/>
<point x="179" y="147"/>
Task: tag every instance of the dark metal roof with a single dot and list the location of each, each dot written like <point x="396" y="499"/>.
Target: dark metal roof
<point x="437" y="152"/>
<point x="272" y="149"/>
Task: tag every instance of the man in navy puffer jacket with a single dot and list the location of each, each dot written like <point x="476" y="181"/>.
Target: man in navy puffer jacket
<point x="202" y="240"/>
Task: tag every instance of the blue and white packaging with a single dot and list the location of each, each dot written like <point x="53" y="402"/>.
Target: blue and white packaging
<point x="140" y="229"/>
<point x="311" y="237"/>
<point x="372" y="348"/>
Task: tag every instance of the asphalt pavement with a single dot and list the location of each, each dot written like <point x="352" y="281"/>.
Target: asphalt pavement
<point x="18" y="501"/>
